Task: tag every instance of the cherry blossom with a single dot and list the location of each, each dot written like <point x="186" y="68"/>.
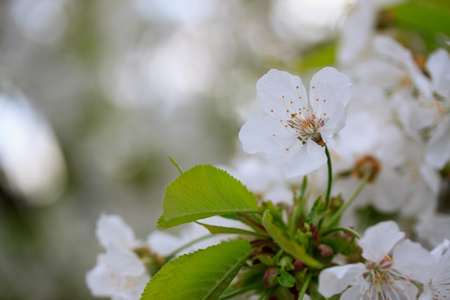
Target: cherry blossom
<point x="394" y="268"/>
<point x="295" y="128"/>
<point x="119" y="273"/>
<point x="438" y="148"/>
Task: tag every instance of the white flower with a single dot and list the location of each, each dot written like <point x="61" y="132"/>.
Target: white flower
<point x="296" y="128"/>
<point x="392" y="270"/>
<point x="119" y="273"/>
<point x="402" y="57"/>
<point x="440" y="281"/>
<point x="438" y="286"/>
<point x="438" y="148"/>
<point x="358" y="30"/>
<point x="111" y="229"/>
<point x="367" y="136"/>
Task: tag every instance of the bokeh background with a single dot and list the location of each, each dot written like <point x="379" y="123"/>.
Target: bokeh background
<point x="95" y="95"/>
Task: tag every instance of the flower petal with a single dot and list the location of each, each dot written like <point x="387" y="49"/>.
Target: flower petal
<point x="438" y="148"/>
<point x="379" y="239"/>
<point x="268" y="136"/>
<point x="438" y="65"/>
<point x="310" y="157"/>
<point x="113" y="230"/>
<point x="334" y="119"/>
<point x="336" y="279"/>
<point x="99" y="280"/>
<point x="280" y="94"/>
<point x="124" y="262"/>
<point x="356" y="33"/>
<point x="413" y="261"/>
<point x="396" y="53"/>
<point x="329" y="85"/>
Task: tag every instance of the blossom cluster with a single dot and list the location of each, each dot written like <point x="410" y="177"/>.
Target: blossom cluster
<point x="383" y="121"/>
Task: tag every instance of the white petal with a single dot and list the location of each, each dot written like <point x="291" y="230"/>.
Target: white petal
<point x="132" y="288"/>
<point x="310" y="157"/>
<point x="330" y="85"/>
<point x="396" y="53"/>
<point x="440" y="283"/>
<point x="335" y="121"/>
<point x="113" y="230"/>
<point x="379" y="239"/>
<point x="431" y="177"/>
<point x="355" y="292"/>
<point x="413" y="261"/>
<point x="402" y="289"/>
<point x="336" y="279"/>
<point x="268" y="136"/>
<point x="119" y="274"/>
<point x="356" y="33"/>
<point x="438" y="148"/>
<point x="99" y="279"/>
<point x="433" y="228"/>
<point x="281" y="92"/>
<point x="124" y="262"/>
<point x="163" y="243"/>
<point x="440" y="249"/>
<point x="438" y="65"/>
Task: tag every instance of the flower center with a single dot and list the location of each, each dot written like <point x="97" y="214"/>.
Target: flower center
<point x="367" y="163"/>
<point x="307" y="127"/>
<point x="383" y="280"/>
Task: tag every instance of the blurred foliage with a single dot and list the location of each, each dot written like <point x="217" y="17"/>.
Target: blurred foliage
<point x="431" y="18"/>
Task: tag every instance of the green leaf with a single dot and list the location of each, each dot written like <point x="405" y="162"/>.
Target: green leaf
<point x="285" y="278"/>
<point x="204" y="274"/>
<point x="204" y="191"/>
<point x="288" y="245"/>
<point x="213" y="229"/>
<point x="318" y="56"/>
<point x="312" y="213"/>
<point x="428" y="15"/>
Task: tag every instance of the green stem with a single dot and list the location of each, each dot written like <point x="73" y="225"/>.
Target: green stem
<point x="176" y="165"/>
<point x="241" y="291"/>
<point x="252" y="223"/>
<point x="294" y="220"/>
<point x="230" y="230"/>
<point x="330" y="176"/>
<point x="267" y="293"/>
<point x="299" y="203"/>
<point x="305" y="286"/>
<point x="350" y="200"/>
<point x="340" y="228"/>
<point x="172" y="255"/>
<point x="304" y="185"/>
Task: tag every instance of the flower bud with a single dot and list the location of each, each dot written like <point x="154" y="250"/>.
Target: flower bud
<point x="298" y="265"/>
<point x="270" y="277"/>
<point x="325" y="250"/>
